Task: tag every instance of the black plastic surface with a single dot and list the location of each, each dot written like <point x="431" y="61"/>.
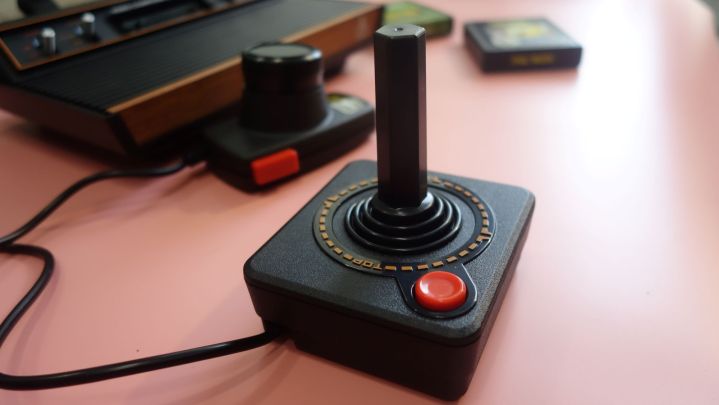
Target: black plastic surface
<point x="111" y="75"/>
<point x="361" y="319"/>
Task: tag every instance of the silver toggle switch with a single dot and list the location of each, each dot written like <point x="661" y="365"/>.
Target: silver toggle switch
<point x="88" y="26"/>
<point x="48" y="41"/>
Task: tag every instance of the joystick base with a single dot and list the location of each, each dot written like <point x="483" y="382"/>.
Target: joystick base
<point x="365" y="316"/>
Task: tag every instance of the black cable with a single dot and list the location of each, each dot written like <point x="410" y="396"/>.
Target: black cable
<point x="99" y="373"/>
<point x="79" y="185"/>
<point x="29" y="298"/>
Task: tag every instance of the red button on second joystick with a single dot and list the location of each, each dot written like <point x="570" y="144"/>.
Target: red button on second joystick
<point x="440" y="291"/>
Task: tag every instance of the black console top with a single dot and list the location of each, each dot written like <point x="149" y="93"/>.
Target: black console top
<point x="110" y="75"/>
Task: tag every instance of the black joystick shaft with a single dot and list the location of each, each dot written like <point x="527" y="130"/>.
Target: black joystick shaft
<point x="399" y="54"/>
<point x="403" y="217"/>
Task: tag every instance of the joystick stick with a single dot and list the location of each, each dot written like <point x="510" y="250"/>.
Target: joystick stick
<point x="392" y="269"/>
<point x="403" y="216"/>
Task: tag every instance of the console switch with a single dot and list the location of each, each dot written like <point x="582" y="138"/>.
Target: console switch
<point x="48" y="41"/>
<point x="88" y="27"/>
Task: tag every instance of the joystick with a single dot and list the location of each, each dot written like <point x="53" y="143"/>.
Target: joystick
<point x="392" y="269"/>
<point x="286" y="123"/>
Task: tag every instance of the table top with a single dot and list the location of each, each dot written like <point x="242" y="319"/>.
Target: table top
<point x="615" y="299"/>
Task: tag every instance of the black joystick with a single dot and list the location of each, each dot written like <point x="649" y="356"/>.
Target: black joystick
<point x="286" y="123"/>
<point x="392" y="269"/>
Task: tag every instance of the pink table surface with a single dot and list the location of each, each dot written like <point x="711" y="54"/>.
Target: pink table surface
<point x="616" y="297"/>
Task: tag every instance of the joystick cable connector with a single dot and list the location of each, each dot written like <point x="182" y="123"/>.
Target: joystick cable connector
<point x="67" y="378"/>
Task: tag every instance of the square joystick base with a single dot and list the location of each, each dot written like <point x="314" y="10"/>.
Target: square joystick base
<point x="418" y="317"/>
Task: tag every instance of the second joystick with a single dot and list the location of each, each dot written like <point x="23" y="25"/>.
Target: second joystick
<point x="286" y="124"/>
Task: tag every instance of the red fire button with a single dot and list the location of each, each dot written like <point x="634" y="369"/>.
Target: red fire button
<point x="440" y="291"/>
<point x="275" y="166"/>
